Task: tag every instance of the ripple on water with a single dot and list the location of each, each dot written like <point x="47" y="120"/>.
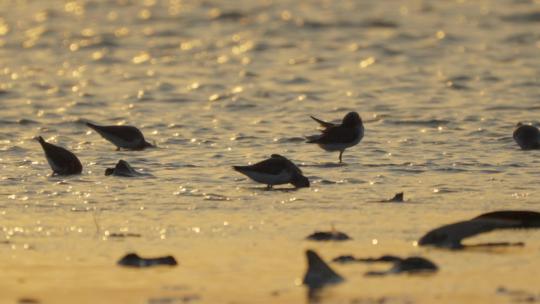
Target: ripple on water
<point x="326" y="165"/>
<point x="176" y="99"/>
<point x="22" y="121"/>
<point x="507" y="107"/>
<point x="230" y="16"/>
<point x="456" y="86"/>
<point x="16" y="150"/>
<point x="320" y="180"/>
<point x="215" y="197"/>
<point x="197" y="76"/>
<point x="530" y="17"/>
<point x="177" y="141"/>
<point x="370" y="23"/>
<point x="451" y="169"/>
<point x="293" y="80"/>
<point x="242" y="137"/>
<point x="427" y="123"/>
<point x="290" y="140"/>
<point x="409" y="170"/>
<point x="523" y="38"/>
<point x="26" y="122"/>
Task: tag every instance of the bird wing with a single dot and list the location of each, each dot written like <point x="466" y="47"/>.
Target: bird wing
<point x="57" y="153"/>
<point x="124" y="132"/>
<point x="519" y="218"/>
<point x="61" y="156"/>
<point x="335" y="135"/>
<point x="273" y="165"/>
<point x="287" y="163"/>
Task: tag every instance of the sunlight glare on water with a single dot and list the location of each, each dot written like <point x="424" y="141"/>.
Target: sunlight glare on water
<point x="440" y="86"/>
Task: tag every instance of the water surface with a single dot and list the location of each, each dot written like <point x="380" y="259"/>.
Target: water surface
<point x="439" y="85"/>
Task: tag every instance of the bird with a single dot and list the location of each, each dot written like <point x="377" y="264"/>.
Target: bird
<point x="527" y="136"/>
<point x="398" y="198"/>
<point x="345" y="259"/>
<point x="332" y="235"/>
<point x="319" y="274"/>
<point x="411" y="265"/>
<point x="451" y="235"/>
<point x="339" y="137"/>
<point x="134" y="260"/>
<point x="122" y="168"/>
<point x="62" y="161"/>
<point x="276" y="170"/>
<point x="123" y="137"/>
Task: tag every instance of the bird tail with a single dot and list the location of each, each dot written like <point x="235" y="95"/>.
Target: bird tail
<point x="322" y="122"/>
<point x="92" y="126"/>
<point x="238" y="168"/>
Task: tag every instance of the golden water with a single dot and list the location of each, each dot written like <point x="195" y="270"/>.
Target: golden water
<point x="439" y="85"/>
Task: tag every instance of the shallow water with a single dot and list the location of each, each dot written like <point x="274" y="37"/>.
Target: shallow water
<point x="439" y="85"/>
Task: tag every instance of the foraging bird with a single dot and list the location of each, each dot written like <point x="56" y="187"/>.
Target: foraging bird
<point x="339" y="137"/>
<point x="411" y="265"/>
<point x="451" y="235"/>
<point x="276" y="170"/>
<point x="352" y="259"/>
<point x="62" y="161"/>
<point x="332" y="235"/>
<point x="124" y="137"/>
<point x="122" y="168"/>
<point x="527" y="136"/>
<point x="134" y="260"/>
<point x="319" y="273"/>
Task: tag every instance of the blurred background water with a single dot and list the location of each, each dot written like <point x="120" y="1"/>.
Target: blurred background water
<point x="440" y="86"/>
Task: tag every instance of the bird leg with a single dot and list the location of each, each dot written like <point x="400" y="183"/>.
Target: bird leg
<point x="268" y="187"/>
<point x="340" y="154"/>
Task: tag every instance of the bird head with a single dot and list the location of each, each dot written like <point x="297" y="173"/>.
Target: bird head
<point x="352" y="119"/>
<point x="300" y="181"/>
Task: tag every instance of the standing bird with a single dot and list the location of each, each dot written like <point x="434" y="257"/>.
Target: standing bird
<point x="527" y="136"/>
<point x="276" y="170"/>
<point x="123" y="137"/>
<point x="62" y="161"/>
<point x="339" y="137"/>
